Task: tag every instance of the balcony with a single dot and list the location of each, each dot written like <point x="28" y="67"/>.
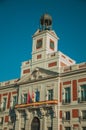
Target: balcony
<point x="66" y="101"/>
<point x="82" y="99"/>
<point x="37" y="104"/>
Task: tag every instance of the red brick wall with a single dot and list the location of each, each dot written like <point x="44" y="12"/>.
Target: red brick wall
<point x="5" y="128"/>
<point x="74" y="84"/>
<point x="63" y="56"/>
<point x="15" y="92"/>
<point x="60" y="127"/>
<point x="5" y="94"/>
<point x="67" y="82"/>
<point x="39" y="56"/>
<point x="60" y="114"/>
<point x="76" y="125"/>
<point x="75" y="113"/>
<point x="6" y="118"/>
<point x="26" y="71"/>
<point x="52" y="64"/>
<point x="70" y="61"/>
<point x="62" y="64"/>
<point x="82" y="80"/>
<point x="9" y="97"/>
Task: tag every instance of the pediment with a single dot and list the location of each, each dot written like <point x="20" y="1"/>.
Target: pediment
<point x="37" y="74"/>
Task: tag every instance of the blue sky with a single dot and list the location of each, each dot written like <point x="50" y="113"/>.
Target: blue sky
<point x="19" y="19"/>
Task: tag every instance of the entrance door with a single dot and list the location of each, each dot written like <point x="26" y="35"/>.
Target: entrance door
<point x="35" y="125"/>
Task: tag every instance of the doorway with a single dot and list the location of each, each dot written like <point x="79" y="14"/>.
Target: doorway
<point x="35" y="125"/>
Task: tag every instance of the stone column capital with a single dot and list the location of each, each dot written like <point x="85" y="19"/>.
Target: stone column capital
<point x="27" y="113"/>
<point x="17" y="114"/>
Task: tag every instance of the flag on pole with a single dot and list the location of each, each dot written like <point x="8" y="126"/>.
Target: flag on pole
<point x="46" y="95"/>
<point x="22" y="98"/>
<point x="28" y="98"/>
<point x="37" y="98"/>
<point x="33" y="96"/>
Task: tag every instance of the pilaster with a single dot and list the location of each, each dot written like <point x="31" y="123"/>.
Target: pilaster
<point x="18" y="120"/>
<point x="27" y="125"/>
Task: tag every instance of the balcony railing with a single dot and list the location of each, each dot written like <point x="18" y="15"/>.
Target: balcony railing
<point x="82" y="118"/>
<point x="82" y="99"/>
<point x="41" y="103"/>
<point x="66" y="101"/>
<point x="66" y="119"/>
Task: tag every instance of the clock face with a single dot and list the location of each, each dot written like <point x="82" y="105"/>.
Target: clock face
<point x="51" y="44"/>
<point x="39" y="44"/>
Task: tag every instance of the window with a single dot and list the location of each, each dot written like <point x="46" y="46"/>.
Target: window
<point x="83" y="128"/>
<point x="67" y="115"/>
<point x="67" y="128"/>
<point x="24" y="100"/>
<point x="67" y="95"/>
<point x="1" y="120"/>
<point x="83" y="92"/>
<point x="37" y="96"/>
<point x="49" y="128"/>
<point x="51" y="44"/>
<point x="4" y="103"/>
<point x="14" y="100"/>
<point x="39" y="44"/>
<point x="22" y="128"/>
<point x="50" y="94"/>
<point x="84" y="114"/>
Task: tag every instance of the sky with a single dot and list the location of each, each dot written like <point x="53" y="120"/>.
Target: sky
<point x="19" y="19"/>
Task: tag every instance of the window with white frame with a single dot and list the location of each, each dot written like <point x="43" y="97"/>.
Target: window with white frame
<point x="4" y="103"/>
<point x="24" y="100"/>
<point x="49" y="128"/>
<point x="66" y="95"/>
<point x="22" y="128"/>
<point x="82" y="93"/>
<point x="84" y="128"/>
<point x="1" y="120"/>
<point x="66" y="116"/>
<point x="50" y="94"/>
<point x="67" y="128"/>
<point x="14" y="100"/>
<point x="84" y="114"/>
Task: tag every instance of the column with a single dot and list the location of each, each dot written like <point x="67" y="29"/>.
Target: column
<point x="55" y="118"/>
<point x="27" y="124"/>
<point x="44" y="123"/>
<point x="18" y="120"/>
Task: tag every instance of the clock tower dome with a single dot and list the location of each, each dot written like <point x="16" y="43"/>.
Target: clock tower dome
<point x="45" y="40"/>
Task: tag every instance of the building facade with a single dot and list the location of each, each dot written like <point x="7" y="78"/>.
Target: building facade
<point x="51" y="91"/>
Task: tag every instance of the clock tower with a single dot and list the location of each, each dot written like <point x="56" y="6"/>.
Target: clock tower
<point x="45" y="52"/>
<point x="45" y="41"/>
